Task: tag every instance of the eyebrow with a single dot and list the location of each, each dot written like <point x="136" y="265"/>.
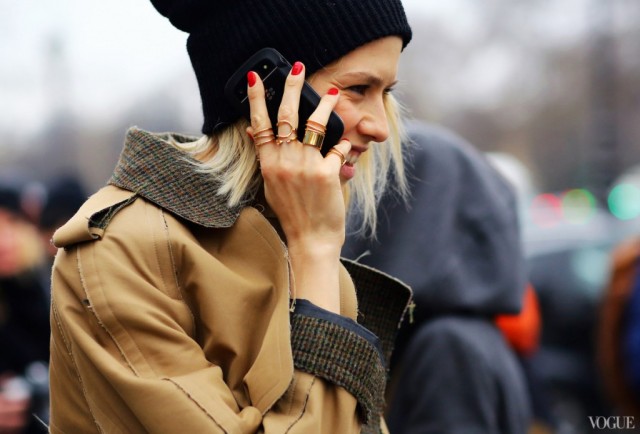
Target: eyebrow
<point x="369" y="78"/>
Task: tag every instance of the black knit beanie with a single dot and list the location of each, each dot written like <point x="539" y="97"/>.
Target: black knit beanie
<point x="225" y="33"/>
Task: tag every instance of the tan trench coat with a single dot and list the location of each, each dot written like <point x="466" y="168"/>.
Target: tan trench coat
<point x="174" y="318"/>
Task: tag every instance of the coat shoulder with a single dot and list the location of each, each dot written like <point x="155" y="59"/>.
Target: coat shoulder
<point x="93" y="217"/>
<point x="117" y="212"/>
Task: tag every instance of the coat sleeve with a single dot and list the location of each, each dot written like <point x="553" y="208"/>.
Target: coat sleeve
<point x="341" y="351"/>
<point x="124" y="357"/>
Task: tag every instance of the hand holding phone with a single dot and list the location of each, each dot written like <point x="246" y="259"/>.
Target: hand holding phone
<point x="273" y="69"/>
<point x="304" y="189"/>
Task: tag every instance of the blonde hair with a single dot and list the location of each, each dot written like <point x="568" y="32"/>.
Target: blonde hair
<point x="230" y="156"/>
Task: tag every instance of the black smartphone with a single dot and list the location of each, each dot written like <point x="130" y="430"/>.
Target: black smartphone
<point x="273" y="69"/>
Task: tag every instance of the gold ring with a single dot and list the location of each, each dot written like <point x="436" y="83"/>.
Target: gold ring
<point x="343" y="159"/>
<point x="256" y="133"/>
<point x="265" y="141"/>
<point x="315" y="130"/>
<point x="317" y="126"/>
<point x="258" y="141"/>
<point x="313" y="138"/>
<point x="264" y="134"/>
<point x="286" y="137"/>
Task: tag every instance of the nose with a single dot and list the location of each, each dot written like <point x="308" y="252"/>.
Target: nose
<point x="374" y="123"/>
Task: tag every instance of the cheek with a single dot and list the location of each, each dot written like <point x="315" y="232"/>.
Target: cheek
<point x="349" y="116"/>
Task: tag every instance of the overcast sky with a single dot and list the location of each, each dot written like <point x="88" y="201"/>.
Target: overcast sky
<point x="111" y="51"/>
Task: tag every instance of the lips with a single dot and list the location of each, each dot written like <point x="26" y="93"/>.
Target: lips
<point x="359" y="148"/>
<point x="354" y="154"/>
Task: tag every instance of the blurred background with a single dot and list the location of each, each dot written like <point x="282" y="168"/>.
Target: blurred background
<point x="549" y="89"/>
<point x="554" y="83"/>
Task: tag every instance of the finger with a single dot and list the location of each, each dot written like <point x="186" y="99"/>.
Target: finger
<point x="257" y="102"/>
<point x="339" y="152"/>
<point x="327" y="104"/>
<point x="288" y="110"/>
<point x="260" y="122"/>
<point x="320" y="116"/>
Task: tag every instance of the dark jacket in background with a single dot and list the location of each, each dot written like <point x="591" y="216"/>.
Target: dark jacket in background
<point x="24" y="304"/>
<point x="457" y="245"/>
<point x="24" y="323"/>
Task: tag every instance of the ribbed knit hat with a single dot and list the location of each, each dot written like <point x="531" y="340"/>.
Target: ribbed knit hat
<point x="225" y="33"/>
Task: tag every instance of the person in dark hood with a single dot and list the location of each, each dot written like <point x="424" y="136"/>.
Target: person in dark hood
<point x="457" y="244"/>
<point x="24" y="319"/>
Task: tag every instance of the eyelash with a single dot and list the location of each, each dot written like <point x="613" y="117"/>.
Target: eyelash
<point x="360" y="89"/>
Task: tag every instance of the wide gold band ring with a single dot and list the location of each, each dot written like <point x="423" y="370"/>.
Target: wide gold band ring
<point x="313" y="138"/>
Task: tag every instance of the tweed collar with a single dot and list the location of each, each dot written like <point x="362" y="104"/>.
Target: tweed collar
<point x="154" y="169"/>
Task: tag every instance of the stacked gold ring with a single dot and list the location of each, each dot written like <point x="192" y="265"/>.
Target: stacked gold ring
<point x="314" y="134"/>
<point x="286" y="137"/>
<point x="263" y="137"/>
<point x="316" y="126"/>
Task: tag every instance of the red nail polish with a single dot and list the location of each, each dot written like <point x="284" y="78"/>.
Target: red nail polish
<point x="344" y="138"/>
<point x="333" y="91"/>
<point x="250" y="135"/>
<point x="297" y="68"/>
<point x="251" y="78"/>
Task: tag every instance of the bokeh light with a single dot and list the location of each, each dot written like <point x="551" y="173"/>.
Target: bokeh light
<point x="591" y="265"/>
<point x="546" y="210"/>
<point x="578" y="206"/>
<point x="624" y="201"/>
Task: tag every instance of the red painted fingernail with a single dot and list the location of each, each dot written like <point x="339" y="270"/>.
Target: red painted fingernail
<point x="297" y="68"/>
<point x="344" y="138"/>
<point x="333" y="91"/>
<point x="250" y="135"/>
<point x="251" y="78"/>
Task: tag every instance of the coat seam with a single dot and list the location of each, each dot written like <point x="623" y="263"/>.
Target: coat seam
<point x="304" y="406"/>
<point x="157" y="255"/>
<point x="195" y="401"/>
<point x="93" y="311"/>
<point x="174" y="270"/>
<point x="289" y="286"/>
<point x="73" y="359"/>
<point x="56" y="318"/>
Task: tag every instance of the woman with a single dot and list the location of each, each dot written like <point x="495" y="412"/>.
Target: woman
<point x="202" y="290"/>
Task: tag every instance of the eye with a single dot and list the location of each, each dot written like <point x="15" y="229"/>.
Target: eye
<point x="360" y="89"/>
<point x="389" y="90"/>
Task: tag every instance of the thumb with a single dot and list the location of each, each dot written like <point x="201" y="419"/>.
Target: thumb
<point x="339" y="152"/>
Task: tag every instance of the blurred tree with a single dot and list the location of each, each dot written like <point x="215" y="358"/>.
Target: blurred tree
<point x="524" y="78"/>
